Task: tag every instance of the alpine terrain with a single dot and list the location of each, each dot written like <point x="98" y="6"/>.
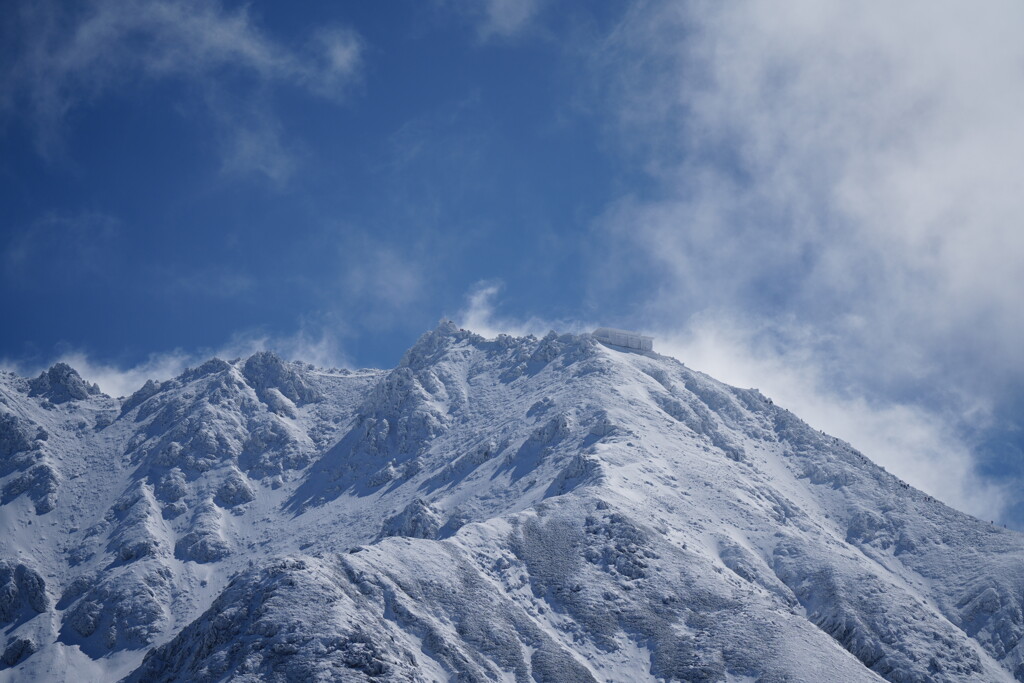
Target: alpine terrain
<point x="508" y="509"/>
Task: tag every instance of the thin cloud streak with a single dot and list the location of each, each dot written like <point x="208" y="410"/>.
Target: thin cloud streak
<point x="67" y="59"/>
<point x="497" y="19"/>
<point x="503" y="18"/>
<point x="319" y="348"/>
<point x="480" y="314"/>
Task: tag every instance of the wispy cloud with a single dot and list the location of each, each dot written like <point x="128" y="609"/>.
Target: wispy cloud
<point x="310" y="344"/>
<point x="498" y="19"/>
<point x="68" y="56"/>
<point x="481" y="314"/>
<point x="318" y="347"/>
<point x="253" y="142"/>
<point x="853" y="166"/>
<point x="507" y="17"/>
<point x="383" y="275"/>
<point x="336" y="60"/>
<point x="118" y="381"/>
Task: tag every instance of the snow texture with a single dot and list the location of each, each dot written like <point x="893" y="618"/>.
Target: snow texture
<point x="515" y="509"/>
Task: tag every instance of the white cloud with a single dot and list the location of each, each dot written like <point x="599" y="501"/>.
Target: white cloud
<point x="506" y="17"/>
<point x="498" y="19"/>
<point x="382" y="274"/>
<point x="857" y="166"/>
<point x="480" y="314"/>
<point x="67" y="57"/>
<point x="319" y="348"/>
<point x="339" y="54"/>
<point x="256" y="145"/>
<point x="117" y="381"/>
<point x="841" y="177"/>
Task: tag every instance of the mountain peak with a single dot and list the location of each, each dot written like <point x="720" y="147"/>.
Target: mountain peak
<point x="62" y="383"/>
<point x="266" y="371"/>
<point x="433" y="344"/>
<point x="490" y="509"/>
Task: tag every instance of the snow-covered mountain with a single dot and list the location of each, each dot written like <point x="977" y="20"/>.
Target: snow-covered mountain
<point x="511" y="509"/>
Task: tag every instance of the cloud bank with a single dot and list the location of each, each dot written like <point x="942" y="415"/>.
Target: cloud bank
<point x="840" y="184"/>
<point x="854" y="167"/>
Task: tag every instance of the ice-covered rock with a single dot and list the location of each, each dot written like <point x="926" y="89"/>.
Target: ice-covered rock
<point x="205" y="542"/>
<point x="128" y="608"/>
<point x="491" y="509"/>
<point x="17" y="649"/>
<point x="41" y="483"/>
<point x="274" y="381"/>
<point x="418" y="520"/>
<point x="15" y="437"/>
<point x="22" y="592"/>
<point x="60" y="384"/>
<point x="235" y="490"/>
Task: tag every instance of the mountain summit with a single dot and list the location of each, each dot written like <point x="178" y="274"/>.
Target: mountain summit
<point x="552" y="509"/>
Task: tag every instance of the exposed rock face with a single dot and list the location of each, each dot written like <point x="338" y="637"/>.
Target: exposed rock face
<point x="274" y="380"/>
<point x="17" y="650"/>
<point x="125" y="610"/>
<point x="505" y="509"/>
<point x="205" y="542"/>
<point x="417" y="520"/>
<point x="15" y="437"/>
<point x="40" y="483"/>
<point x="61" y="384"/>
<point x="22" y="592"/>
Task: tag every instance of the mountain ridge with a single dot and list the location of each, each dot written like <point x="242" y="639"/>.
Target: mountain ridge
<point x="596" y="512"/>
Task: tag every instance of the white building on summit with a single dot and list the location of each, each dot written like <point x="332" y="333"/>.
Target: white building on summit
<point x="625" y="338"/>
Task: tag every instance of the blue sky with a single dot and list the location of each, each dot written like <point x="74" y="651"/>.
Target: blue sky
<point x="823" y="202"/>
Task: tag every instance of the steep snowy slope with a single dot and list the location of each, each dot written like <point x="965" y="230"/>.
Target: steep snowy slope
<point x="516" y="508"/>
<point x="135" y="512"/>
